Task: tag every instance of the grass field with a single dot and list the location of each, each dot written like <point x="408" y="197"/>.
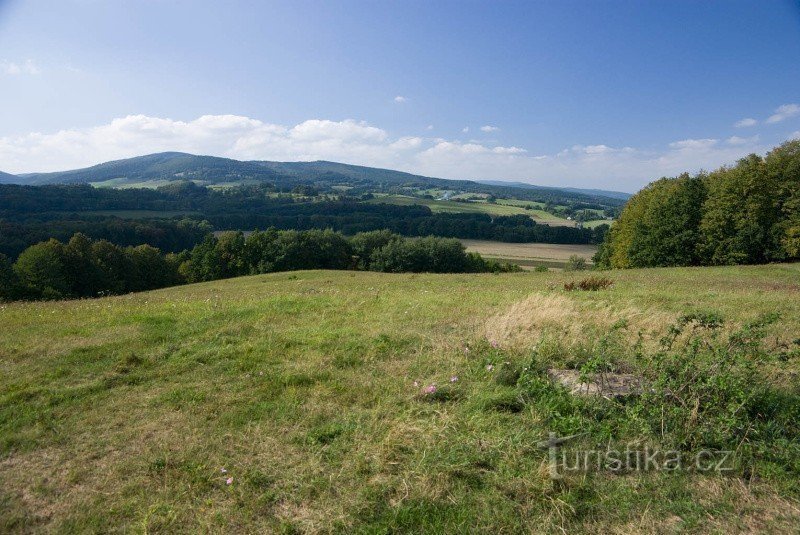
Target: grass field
<point x="499" y="208"/>
<point x="287" y="403"/>
<point x="529" y="255"/>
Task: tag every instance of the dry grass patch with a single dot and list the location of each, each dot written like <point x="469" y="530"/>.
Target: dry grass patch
<point x="526" y="322"/>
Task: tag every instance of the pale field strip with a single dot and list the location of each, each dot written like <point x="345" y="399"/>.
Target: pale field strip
<point x="547" y="252"/>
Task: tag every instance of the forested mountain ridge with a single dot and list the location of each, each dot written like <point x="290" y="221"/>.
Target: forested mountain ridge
<point x="7" y="178"/>
<point x="212" y="170"/>
<point x="587" y="191"/>
<point x="748" y="213"/>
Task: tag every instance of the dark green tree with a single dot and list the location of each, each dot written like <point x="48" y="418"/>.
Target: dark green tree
<point x="42" y="271"/>
<point x="9" y="284"/>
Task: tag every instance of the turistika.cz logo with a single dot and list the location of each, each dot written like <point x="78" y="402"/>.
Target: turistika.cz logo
<point x="631" y="458"/>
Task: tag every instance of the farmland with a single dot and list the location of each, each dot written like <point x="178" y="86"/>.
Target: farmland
<point x="501" y="207"/>
<point x="529" y="255"/>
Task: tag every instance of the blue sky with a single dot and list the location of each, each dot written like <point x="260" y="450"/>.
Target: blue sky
<point x="592" y="94"/>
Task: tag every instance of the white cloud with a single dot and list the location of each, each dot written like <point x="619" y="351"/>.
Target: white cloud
<point x="508" y="150"/>
<point x="429" y="127"/>
<point x="694" y="144"/>
<point x="746" y="122"/>
<point x="357" y="142"/>
<point x="784" y="112"/>
<point x="400" y="99"/>
<point x="488" y="128"/>
<point x="465" y="129"/>
<point x="14" y="69"/>
<point x="736" y="140"/>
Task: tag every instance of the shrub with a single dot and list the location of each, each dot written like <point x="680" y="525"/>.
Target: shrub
<point x="575" y="263"/>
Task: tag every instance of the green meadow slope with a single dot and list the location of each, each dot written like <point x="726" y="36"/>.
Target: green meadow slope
<point x="131" y="413"/>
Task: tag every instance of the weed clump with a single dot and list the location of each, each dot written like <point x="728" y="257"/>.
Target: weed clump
<point x="701" y="391"/>
<point x="589" y="284"/>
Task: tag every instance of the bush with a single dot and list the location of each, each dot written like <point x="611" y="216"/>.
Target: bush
<point x="575" y="263"/>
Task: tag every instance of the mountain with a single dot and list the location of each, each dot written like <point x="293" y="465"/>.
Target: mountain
<point x="212" y="170"/>
<point x="161" y="166"/>
<point x="7" y="178"/>
<point x="601" y="192"/>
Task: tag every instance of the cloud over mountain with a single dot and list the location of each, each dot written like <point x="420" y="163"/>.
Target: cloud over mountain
<point x="358" y="142"/>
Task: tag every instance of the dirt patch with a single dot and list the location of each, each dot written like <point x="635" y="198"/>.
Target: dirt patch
<point x="607" y="385"/>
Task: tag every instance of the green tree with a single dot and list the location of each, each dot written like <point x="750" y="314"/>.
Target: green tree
<point x="83" y="275"/>
<point x="9" y="284"/>
<point x="739" y="214"/>
<point x="150" y="269"/>
<point x="365" y="244"/>
<point x="42" y="272"/>
<point x="113" y="267"/>
<point x="783" y="168"/>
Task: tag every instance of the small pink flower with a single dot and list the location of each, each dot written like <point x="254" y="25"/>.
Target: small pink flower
<point x="489" y="367"/>
<point x="430" y="389"/>
<point x="416" y="384"/>
<point x="223" y="470"/>
<point x="493" y="343"/>
<point x="229" y="481"/>
<point x="454" y="378"/>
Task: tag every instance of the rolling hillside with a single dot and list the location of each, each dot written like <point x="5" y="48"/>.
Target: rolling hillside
<point x="371" y="403"/>
<point x="157" y="169"/>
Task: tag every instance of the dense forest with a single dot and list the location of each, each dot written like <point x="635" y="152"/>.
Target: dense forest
<point x="83" y="267"/>
<point x="748" y="213"/>
<point x="177" y="216"/>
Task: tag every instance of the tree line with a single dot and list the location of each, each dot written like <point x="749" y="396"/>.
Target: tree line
<point x="83" y="267"/>
<point x="30" y="214"/>
<point x="168" y="235"/>
<point x="748" y="213"/>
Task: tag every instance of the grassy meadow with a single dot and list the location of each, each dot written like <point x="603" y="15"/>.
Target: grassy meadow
<point x="294" y="403"/>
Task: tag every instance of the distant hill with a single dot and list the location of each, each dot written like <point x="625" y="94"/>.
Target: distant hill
<point x="7" y="178"/>
<point x="161" y="166"/>
<point x="212" y="170"/>
<point x="601" y="192"/>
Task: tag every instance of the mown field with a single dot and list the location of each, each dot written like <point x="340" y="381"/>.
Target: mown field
<point x="294" y="403"/>
<point x="530" y="255"/>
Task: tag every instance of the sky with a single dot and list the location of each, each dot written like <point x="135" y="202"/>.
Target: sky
<point x="594" y="94"/>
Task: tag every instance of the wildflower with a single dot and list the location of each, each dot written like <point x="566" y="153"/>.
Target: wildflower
<point x="466" y="349"/>
<point x="416" y="384"/>
<point x="229" y="481"/>
<point x="222" y="470"/>
<point x="489" y="367"/>
<point x="493" y="343"/>
<point x="454" y="378"/>
<point x="430" y="389"/>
